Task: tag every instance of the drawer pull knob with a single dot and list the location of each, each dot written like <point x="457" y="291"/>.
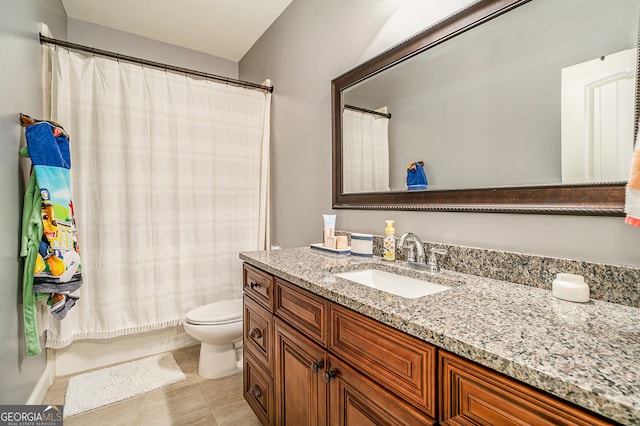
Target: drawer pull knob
<point x="328" y="375"/>
<point x="255" y="333"/>
<point x="254" y="391"/>
<point x="253" y="284"/>
<point x="317" y="365"/>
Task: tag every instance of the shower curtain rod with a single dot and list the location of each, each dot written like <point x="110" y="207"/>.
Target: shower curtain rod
<point x="118" y="56"/>
<point x="356" y="108"/>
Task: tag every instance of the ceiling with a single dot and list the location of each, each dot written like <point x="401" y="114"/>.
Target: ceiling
<point x="223" y="28"/>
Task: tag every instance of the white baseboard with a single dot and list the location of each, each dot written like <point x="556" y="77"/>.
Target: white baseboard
<point x="46" y="379"/>
<point x="89" y="354"/>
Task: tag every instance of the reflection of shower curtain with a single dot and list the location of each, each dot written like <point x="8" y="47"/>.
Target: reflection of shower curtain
<point x="170" y="174"/>
<point x="365" y="152"/>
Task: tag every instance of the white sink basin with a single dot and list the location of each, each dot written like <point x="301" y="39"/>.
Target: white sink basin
<point x="399" y="285"/>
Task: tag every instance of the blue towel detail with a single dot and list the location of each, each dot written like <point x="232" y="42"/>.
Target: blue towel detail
<point x="416" y="177"/>
<point x="45" y="149"/>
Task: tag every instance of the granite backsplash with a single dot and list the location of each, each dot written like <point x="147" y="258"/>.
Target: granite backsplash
<point x="611" y="283"/>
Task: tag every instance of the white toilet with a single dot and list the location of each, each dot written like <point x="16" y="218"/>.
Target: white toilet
<point x="219" y="327"/>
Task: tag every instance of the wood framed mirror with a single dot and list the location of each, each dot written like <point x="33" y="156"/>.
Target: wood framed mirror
<point x="510" y="42"/>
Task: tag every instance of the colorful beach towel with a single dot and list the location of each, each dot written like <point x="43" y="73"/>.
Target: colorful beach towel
<point x="49" y="238"/>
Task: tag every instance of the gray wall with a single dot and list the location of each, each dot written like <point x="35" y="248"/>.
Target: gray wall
<point x="314" y="42"/>
<point x="21" y="88"/>
<point x="100" y="37"/>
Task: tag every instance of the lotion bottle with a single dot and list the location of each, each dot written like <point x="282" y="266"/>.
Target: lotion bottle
<point x="389" y="249"/>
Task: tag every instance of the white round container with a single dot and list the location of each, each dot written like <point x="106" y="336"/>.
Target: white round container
<point x="570" y="287"/>
<point x="361" y="245"/>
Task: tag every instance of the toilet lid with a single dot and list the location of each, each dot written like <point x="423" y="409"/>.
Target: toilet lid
<point x="223" y="312"/>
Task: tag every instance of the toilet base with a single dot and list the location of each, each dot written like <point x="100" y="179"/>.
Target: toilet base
<point x="217" y="361"/>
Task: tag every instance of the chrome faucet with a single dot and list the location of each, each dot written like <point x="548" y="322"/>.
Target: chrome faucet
<point x="419" y="261"/>
<point x="412" y="260"/>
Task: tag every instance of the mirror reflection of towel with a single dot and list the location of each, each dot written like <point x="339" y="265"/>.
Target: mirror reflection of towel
<point x="632" y="198"/>
<point x="416" y="177"/>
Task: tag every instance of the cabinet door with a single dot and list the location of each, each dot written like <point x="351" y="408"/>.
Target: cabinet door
<point x="301" y="392"/>
<point x="474" y="395"/>
<point x="401" y="363"/>
<point x="356" y="400"/>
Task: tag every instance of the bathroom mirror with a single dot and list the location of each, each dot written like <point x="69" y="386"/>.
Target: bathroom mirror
<point x="512" y="105"/>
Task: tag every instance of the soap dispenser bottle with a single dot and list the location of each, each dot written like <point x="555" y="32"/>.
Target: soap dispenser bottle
<point x="389" y="246"/>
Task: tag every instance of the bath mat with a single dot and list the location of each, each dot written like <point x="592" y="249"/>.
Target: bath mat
<point x="111" y="384"/>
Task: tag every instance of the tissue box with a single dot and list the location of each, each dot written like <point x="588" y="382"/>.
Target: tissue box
<point x="362" y="245"/>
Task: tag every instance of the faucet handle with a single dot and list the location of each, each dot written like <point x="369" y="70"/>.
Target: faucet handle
<point x="433" y="259"/>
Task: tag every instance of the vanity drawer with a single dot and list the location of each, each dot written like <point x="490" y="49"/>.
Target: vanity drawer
<point x="401" y="363"/>
<point x="258" y="333"/>
<point x="259" y="285"/>
<point x="258" y="390"/>
<point x="305" y="311"/>
<point x="471" y="394"/>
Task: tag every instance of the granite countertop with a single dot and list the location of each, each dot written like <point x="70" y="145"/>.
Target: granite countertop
<point x="585" y="353"/>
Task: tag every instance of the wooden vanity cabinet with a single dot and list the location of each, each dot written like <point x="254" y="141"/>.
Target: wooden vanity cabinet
<point x="301" y="390"/>
<point x="305" y="311"/>
<point x="258" y="332"/>
<point x="356" y="400"/>
<point x="259" y="285"/>
<point x="309" y="361"/>
<point x="471" y="394"/>
<point x="402" y="363"/>
<point x="258" y="389"/>
<point x="314" y="387"/>
<point x="258" y="386"/>
<point x="377" y="375"/>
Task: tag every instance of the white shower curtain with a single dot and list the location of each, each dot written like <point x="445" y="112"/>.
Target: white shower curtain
<point x="170" y="179"/>
<point x="366" y="152"/>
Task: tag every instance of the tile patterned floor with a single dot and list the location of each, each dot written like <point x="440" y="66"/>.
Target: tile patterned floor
<point x="194" y="401"/>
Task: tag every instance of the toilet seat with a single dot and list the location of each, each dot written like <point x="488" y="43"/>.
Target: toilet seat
<point x="217" y="313"/>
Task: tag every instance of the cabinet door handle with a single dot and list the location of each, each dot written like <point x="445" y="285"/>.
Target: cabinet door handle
<point x="317" y="365"/>
<point x="254" y="284"/>
<point x="255" y="333"/>
<point x="254" y="391"/>
<point x="328" y="375"/>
